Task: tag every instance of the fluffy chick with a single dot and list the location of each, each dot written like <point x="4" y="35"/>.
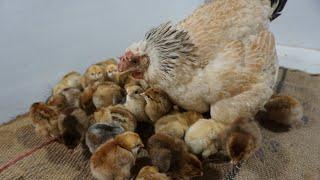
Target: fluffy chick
<point x="151" y="173"/>
<point x="86" y="102"/>
<point x="69" y="97"/>
<point x="177" y="124"/>
<point x="107" y="94"/>
<point x="171" y="156"/>
<point x="98" y="134"/>
<point x="73" y="127"/>
<point x="45" y="119"/>
<point x="283" y="109"/>
<point x="116" y="115"/>
<point x="115" y="158"/>
<point x="158" y="103"/>
<point x="243" y="140"/>
<point x="70" y="80"/>
<point x="136" y="103"/>
<point x="95" y="73"/>
<point x="110" y="67"/>
<point x="203" y="137"/>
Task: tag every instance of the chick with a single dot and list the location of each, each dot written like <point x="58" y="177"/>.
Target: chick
<point x="177" y="124"/>
<point x="98" y="134"/>
<point x="115" y="158"/>
<point x="203" y="137"/>
<point x="70" y="80"/>
<point x="116" y="115"/>
<point x="73" y="127"/>
<point x="243" y="140"/>
<point x="136" y="103"/>
<point x="151" y="173"/>
<point x="86" y="102"/>
<point x="45" y="119"/>
<point x="110" y="67"/>
<point x="158" y="103"/>
<point x="284" y="110"/>
<point x="95" y="73"/>
<point x="107" y="94"/>
<point x="69" y="97"/>
<point x="171" y="156"/>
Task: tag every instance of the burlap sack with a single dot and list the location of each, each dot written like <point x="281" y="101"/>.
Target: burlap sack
<point x="285" y="154"/>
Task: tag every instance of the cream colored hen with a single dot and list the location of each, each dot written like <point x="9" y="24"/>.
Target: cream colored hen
<point x="222" y="58"/>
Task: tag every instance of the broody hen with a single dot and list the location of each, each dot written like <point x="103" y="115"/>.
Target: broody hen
<point x="222" y="58"/>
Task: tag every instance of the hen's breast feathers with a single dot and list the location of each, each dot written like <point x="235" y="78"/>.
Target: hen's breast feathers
<point x="214" y="25"/>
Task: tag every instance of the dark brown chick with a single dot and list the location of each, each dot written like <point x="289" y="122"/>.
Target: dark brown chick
<point x="107" y="94"/>
<point x="73" y="127"/>
<point x="243" y="140"/>
<point x="171" y="156"/>
<point x="283" y="109"/>
<point x="86" y="102"/>
<point x="115" y="158"/>
<point x="151" y="173"/>
<point x="158" y="103"/>
<point x="116" y="115"/>
<point x="45" y="119"/>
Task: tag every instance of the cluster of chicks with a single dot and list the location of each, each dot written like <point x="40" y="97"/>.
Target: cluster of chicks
<point x="121" y="119"/>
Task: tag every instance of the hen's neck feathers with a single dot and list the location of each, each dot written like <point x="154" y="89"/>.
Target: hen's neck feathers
<point x="170" y="51"/>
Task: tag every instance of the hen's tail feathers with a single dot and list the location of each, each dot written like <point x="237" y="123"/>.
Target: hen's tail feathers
<point x="277" y="7"/>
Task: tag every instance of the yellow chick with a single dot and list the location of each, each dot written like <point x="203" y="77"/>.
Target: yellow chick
<point x="110" y="68"/>
<point x="284" y="110"/>
<point x="158" y="103"/>
<point x="45" y="119"/>
<point x="107" y="94"/>
<point x="70" y="80"/>
<point x="115" y="115"/>
<point x="171" y="156"/>
<point x="151" y="173"/>
<point x="115" y="158"/>
<point x="136" y="103"/>
<point x="176" y="124"/>
<point x="95" y="73"/>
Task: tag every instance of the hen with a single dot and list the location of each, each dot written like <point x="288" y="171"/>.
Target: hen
<point x="222" y="58"/>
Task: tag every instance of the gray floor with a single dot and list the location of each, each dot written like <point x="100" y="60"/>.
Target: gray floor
<point x="40" y="40"/>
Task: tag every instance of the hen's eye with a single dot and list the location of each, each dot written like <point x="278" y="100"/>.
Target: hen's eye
<point x="134" y="61"/>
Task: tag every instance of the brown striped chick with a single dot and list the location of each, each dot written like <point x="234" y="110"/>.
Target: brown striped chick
<point x="107" y="94"/>
<point x="115" y="158"/>
<point x="136" y="103"/>
<point x="177" y="124"/>
<point x="151" y="173"/>
<point x="171" y="156"/>
<point x="95" y="73"/>
<point x="73" y="127"/>
<point x="69" y="97"/>
<point x="116" y="115"/>
<point x="70" y="80"/>
<point x="45" y="119"/>
<point x="158" y="103"/>
<point x="243" y="140"/>
<point x="284" y="110"/>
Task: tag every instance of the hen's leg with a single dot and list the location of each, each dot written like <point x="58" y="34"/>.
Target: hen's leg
<point x="202" y="136"/>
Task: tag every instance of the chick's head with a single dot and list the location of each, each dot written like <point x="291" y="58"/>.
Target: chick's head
<point x="130" y="141"/>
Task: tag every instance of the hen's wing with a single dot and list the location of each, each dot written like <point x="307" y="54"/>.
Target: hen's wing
<point x="213" y="25"/>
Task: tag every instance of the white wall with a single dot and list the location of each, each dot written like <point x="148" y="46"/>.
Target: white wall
<point x="40" y="40"/>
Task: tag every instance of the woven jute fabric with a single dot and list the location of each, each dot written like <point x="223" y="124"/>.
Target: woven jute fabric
<point x="285" y="153"/>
